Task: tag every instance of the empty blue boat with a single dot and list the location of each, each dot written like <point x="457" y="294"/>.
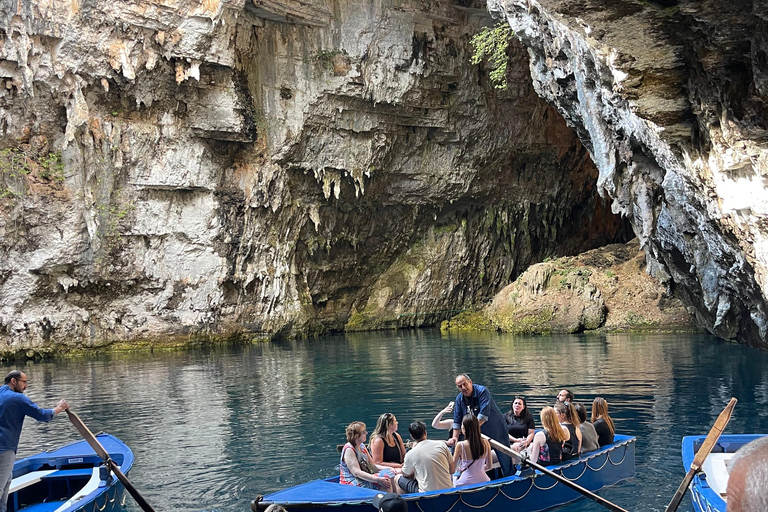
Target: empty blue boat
<point x="593" y="471"/>
<point x="70" y="479"/>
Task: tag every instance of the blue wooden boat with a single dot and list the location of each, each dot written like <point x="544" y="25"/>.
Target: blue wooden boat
<point x="708" y="487"/>
<point x="70" y="479"/>
<point x="595" y="470"/>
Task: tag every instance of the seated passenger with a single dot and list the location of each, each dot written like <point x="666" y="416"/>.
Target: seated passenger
<point x="547" y="446"/>
<point x="565" y="395"/>
<point x="566" y="415"/>
<point x="356" y="467"/>
<point x="386" y="446"/>
<point x="588" y="434"/>
<point x="439" y="423"/>
<point x="472" y="457"/>
<point x="520" y="425"/>
<point x="428" y="465"/>
<point x="602" y="422"/>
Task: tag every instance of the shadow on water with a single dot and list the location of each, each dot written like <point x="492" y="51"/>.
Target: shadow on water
<point x="213" y="427"/>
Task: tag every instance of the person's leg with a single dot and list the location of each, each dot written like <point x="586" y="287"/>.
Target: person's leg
<point x="406" y="485"/>
<point x="7" y="458"/>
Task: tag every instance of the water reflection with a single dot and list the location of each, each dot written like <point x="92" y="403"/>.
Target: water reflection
<point x="211" y="428"/>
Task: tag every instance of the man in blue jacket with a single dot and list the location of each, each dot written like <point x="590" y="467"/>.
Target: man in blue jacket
<point x="14" y="406"/>
<point x="476" y="399"/>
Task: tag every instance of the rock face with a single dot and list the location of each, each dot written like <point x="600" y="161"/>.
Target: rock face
<point x="670" y="97"/>
<point x="210" y="167"/>
<point x="605" y="289"/>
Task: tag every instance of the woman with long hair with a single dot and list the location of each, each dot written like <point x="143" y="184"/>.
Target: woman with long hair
<point x="356" y="467"/>
<point x="473" y="455"/>
<point x="547" y="446"/>
<point x="566" y="414"/>
<point x="386" y="446"/>
<point x="602" y="422"/>
<point x="520" y="424"/>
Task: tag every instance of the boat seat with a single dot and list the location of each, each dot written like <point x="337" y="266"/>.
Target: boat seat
<point x="87" y="489"/>
<point x="716" y="468"/>
<point x="28" y="479"/>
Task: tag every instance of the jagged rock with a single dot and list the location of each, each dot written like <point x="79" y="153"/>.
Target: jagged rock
<point x="670" y="100"/>
<point x="270" y="168"/>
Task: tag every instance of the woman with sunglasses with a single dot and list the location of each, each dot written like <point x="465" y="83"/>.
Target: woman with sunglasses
<point x="386" y="446"/>
<point x="356" y="467"/>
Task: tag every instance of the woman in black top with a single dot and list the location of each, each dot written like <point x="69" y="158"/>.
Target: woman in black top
<point x="566" y="415"/>
<point x="602" y="422"/>
<point x="520" y="424"/>
<point x="386" y="446"/>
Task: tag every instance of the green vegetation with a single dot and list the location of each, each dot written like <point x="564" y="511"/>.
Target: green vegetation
<point x="491" y="44"/>
<point x="325" y="57"/>
<point x="16" y="163"/>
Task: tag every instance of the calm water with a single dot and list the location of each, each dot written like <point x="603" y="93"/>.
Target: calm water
<point x="212" y="428"/>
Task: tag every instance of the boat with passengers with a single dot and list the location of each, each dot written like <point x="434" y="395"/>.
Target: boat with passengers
<point x="71" y="478"/>
<point x="709" y="485"/>
<point x="595" y="470"/>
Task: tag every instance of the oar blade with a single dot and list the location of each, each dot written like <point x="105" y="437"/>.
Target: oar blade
<point x="101" y="452"/>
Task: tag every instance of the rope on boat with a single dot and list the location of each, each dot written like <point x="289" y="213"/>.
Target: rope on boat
<point x="697" y="500"/>
<point x="532" y="483"/>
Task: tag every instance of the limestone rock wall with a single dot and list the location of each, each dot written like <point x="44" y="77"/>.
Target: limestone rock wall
<point x="269" y="167"/>
<point x="670" y="99"/>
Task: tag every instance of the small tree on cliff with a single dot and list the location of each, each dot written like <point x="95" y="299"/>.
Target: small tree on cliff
<point x="491" y="44"/>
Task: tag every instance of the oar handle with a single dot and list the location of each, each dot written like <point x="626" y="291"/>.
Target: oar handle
<point x="101" y="452"/>
<point x="589" y="494"/>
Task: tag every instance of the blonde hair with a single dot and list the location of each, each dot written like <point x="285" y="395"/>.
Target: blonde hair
<point x="600" y="410"/>
<point x="354" y="429"/>
<point x="551" y="425"/>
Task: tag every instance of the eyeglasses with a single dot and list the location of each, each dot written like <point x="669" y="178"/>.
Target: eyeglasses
<point x="24" y="381"/>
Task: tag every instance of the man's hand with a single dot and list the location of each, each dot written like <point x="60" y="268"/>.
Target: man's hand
<point x="63" y="405"/>
<point x="451" y="442"/>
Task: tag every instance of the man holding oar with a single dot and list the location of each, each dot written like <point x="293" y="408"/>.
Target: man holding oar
<point x="476" y="399"/>
<point x="14" y="406"/>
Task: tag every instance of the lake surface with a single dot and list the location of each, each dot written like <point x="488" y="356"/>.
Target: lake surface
<point x="212" y="428"/>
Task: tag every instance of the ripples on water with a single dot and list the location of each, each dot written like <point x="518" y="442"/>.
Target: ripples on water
<point x="212" y="428"/>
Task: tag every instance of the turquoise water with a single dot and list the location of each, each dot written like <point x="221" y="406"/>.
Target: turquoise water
<point x="212" y="428"/>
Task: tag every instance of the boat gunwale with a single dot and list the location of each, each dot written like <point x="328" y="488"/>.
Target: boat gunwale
<point x="85" y="500"/>
<point x="624" y="441"/>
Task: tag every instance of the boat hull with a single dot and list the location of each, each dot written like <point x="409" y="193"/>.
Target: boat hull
<point x="593" y="471"/>
<point x="707" y="486"/>
<point x="70" y="479"/>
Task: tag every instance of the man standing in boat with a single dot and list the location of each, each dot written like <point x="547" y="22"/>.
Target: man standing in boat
<point x="476" y="399"/>
<point x="14" y="406"/>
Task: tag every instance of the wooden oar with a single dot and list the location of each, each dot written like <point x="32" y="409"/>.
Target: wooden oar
<point x="698" y="460"/>
<point x="101" y="452"/>
<point x="589" y="494"/>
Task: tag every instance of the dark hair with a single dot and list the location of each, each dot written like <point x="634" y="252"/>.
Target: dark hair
<point x="569" y="411"/>
<point x="418" y="430"/>
<point x="568" y="395"/>
<point x="15" y="374"/>
<point x="581" y="411"/>
<point x="471" y="427"/>
<point x="524" y="414"/>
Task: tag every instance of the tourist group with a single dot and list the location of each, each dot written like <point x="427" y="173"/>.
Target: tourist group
<point x="429" y="465"/>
